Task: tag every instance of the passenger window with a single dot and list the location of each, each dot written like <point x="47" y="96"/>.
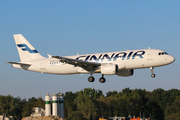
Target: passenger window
<point x="160" y="53"/>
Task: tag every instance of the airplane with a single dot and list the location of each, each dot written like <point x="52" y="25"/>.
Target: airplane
<point x="121" y="63"/>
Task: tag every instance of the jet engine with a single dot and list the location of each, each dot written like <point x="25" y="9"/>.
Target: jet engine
<point x="109" y="69"/>
<point x="125" y="73"/>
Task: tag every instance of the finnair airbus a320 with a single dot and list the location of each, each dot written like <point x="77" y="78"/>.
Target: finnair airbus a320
<point x="120" y="63"/>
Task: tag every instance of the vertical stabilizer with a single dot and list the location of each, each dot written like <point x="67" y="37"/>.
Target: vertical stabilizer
<point x="26" y="50"/>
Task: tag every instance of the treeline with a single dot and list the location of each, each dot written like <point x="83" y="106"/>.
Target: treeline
<point x="89" y="103"/>
<point x="18" y="107"/>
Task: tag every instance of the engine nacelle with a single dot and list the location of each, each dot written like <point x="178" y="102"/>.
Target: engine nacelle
<point x="125" y="73"/>
<point x="111" y="69"/>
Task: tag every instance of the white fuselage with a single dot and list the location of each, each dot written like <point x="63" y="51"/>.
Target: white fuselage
<point x="131" y="59"/>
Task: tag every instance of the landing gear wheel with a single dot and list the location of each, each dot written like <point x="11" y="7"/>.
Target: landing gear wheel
<point x="91" y="79"/>
<point x="102" y="80"/>
<point x="153" y="75"/>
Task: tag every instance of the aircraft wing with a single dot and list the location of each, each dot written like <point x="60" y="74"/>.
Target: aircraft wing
<point x="83" y="64"/>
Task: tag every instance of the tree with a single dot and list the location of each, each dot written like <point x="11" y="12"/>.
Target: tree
<point x="174" y="109"/>
<point x="39" y="103"/>
<point x="113" y="93"/>
<point x="86" y="105"/>
<point x="75" y="115"/>
<point x="92" y="93"/>
<point x="7" y="105"/>
<point x="69" y="104"/>
<point x="154" y="111"/>
<point x="27" y="110"/>
<point x="32" y="102"/>
<point x="174" y="116"/>
<point x="126" y="91"/>
<point x="102" y="106"/>
<point x="19" y="105"/>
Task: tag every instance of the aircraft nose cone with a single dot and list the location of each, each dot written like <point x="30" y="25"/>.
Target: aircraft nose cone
<point x="171" y="59"/>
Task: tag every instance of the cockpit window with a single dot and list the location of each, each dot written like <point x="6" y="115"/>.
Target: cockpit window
<point x="162" y="53"/>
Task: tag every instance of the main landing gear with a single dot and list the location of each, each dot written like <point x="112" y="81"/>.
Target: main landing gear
<point x="101" y="80"/>
<point x="152" y="71"/>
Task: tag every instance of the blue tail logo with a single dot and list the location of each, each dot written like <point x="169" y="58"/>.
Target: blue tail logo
<point x="24" y="47"/>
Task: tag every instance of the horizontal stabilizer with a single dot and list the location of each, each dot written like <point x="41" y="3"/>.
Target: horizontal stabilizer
<point x="19" y="63"/>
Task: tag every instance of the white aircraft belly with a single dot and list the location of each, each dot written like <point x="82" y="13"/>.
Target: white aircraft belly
<point x="61" y="69"/>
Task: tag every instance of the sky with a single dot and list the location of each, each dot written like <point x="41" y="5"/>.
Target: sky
<point x="67" y="27"/>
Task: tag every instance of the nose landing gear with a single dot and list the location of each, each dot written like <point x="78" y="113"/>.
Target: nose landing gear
<point x="152" y="71"/>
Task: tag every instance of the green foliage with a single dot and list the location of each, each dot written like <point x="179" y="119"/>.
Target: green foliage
<point x="7" y="105"/>
<point x="113" y="93"/>
<point x="75" y="115"/>
<point x="89" y="104"/>
<point x="85" y="102"/>
<point x="173" y="112"/>
<point x="126" y="91"/>
<point x="27" y="110"/>
<point x="19" y="104"/>
<point x="173" y="116"/>
<point x="69" y="104"/>
<point x="156" y="104"/>
<point x="32" y="102"/>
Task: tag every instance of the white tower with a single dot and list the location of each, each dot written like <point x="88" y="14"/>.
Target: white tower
<point x="61" y="102"/>
<point x="54" y="104"/>
<point x="47" y="105"/>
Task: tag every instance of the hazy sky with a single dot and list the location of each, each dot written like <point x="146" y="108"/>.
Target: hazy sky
<point x="67" y="27"/>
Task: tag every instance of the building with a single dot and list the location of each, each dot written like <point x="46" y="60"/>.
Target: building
<point x="37" y="111"/>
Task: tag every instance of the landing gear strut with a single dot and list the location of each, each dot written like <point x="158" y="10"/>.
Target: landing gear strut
<point x="152" y="71"/>
<point x="91" y="78"/>
<point x="102" y="79"/>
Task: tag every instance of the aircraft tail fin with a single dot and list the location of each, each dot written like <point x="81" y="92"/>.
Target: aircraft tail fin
<point x="25" y="49"/>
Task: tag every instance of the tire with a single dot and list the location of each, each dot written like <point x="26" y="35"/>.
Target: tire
<point x="91" y="79"/>
<point x="153" y="75"/>
<point x="102" y="80"/>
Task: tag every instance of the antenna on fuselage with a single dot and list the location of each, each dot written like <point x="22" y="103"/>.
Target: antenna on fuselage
<point x="49" y="56"/>
<point x="149" y="48"/>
